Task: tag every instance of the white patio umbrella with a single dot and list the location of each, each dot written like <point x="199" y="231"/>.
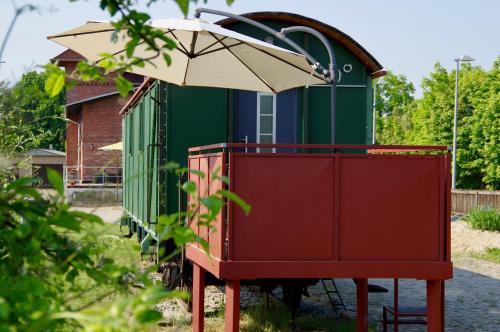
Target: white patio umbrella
<point x="118" y="146"/>
<point x="206" y="55"/>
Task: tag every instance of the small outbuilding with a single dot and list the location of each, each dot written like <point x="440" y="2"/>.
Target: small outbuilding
<point x="42" y="159"/>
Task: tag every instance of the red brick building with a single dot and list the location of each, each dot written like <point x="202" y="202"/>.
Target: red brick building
<point x="92" y="110"/>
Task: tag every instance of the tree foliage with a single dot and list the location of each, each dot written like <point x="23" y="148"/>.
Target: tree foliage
<point x="46" y="249"/>
<point x="41" y="260"/>
<point x="29" y="117"/>
<point x="12" y="127"/>
<point x="43" y="114"/>
<point x="393" y="99"/>
<point x="429" y="120"/>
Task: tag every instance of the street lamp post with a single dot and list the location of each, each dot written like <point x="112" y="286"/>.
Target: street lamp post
<point x="463" y="58"/>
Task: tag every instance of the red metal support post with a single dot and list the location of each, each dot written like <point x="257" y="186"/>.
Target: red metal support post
<point x="198" y="298"/>
<point x="362" y="305"/>
<point x="232" y="306"/>
<point x="435" y="298"/>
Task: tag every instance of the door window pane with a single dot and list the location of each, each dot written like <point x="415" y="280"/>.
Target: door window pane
<point x="266" y="104"/>
<point x="266" y="139"/>
<point x="266" y="124"/>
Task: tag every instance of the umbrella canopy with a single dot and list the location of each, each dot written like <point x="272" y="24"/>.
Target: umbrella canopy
<point x="206" y="55"/>
<point x="113" y="147"/>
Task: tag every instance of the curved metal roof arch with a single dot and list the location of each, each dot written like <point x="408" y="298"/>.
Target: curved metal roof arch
<point x="373" y="66"/>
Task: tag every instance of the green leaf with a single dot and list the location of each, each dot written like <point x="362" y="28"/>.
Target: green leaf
<point x="65" y="220"/>
<point x="54" y="83"/>
<point x="123" y="85"/>
<point x="184" y="6"/>
<point x="167" y="59"/>
<point x="21" y="182"/>
<point x="131" y="45"/>
<point x="56" y="180"/>
<point x="204" y="244"/>
<point x="237" y="199"/>
<point x="197" y="172"/>
<point x="87" y="216"/>
<point x="71" y="275"/>
<point x="224" y="179"/>
<point x="183" y="235"/>
<point x="189" y="187"/>
<point x="4" y="309"/>
<point x="148" y="315"/>
<point x="213" y="203"/>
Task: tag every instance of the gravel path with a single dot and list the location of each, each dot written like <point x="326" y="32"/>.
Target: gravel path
<point x="109" y="214"/>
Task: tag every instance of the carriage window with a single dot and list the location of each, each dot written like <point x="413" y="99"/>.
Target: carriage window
<point x="266" y="119"/>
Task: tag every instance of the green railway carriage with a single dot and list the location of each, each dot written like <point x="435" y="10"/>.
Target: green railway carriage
<point x="163" y="120"/>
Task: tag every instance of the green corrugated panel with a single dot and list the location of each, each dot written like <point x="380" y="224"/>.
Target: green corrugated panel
<point x="196" y="116"/>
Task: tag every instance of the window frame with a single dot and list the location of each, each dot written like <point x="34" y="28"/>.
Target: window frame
<point x="259" y="115"/>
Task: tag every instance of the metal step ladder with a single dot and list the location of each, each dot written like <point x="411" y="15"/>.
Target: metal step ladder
<point x="333" y="295"/>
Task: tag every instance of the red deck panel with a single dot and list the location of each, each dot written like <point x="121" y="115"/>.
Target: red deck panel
<point x="209" y="164"/>
<point x="390" y="208"/>
<point x="216" y="235"/>
<point x="194" y="163"/>
<point x="289" y="221"/>
<point x="203" y="191"/>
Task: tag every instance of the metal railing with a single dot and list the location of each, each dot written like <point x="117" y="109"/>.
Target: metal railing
<point x="93" y="176"/>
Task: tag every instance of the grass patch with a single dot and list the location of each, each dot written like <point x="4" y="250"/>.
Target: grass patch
<point x="490" y="255"/>
<point x="484" y="218"/>
<point x="278" y="319"/>
<point x="110" y="239"/>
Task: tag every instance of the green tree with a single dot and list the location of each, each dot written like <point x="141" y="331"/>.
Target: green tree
<point x="14" y="132"/>
<point x="429" y="120"/>
<point x="480" y="159"/>
<point x="42" y="114"/>
<point x="393" y="92"/>
<point x="394" y="103"/>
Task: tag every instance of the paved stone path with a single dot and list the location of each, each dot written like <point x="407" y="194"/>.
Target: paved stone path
<point x="472" y="297"/>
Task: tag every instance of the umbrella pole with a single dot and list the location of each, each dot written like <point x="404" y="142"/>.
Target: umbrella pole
<point x="329" y="74"/>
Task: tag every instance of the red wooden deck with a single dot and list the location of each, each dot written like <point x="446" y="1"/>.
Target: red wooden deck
<point x="328" y="215"/>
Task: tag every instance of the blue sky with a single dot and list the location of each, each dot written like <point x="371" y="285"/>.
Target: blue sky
<point x="408" y="37"/>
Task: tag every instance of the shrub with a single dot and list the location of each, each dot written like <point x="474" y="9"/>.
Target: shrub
<point x="484" y="218"/>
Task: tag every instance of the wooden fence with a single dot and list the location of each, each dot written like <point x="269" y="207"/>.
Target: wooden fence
<point x="464" y="200"/>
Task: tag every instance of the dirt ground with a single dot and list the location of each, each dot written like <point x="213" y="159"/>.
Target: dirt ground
<point x="467" y="240"/>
